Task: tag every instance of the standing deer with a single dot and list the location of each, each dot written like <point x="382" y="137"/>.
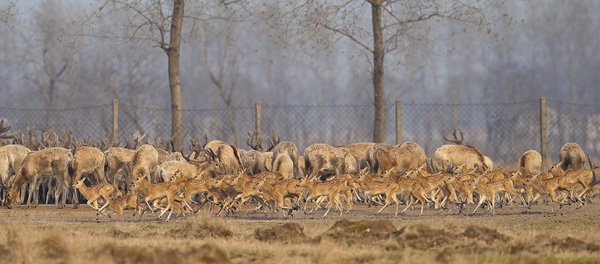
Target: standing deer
<point x="11" y="160"/>
<point x="323" y="159"/>
<point x="470" y="156"/>
<point x="87" y="160"/>
<point x="50" y="162"/>
<point x="283" y="164"/>
<point x="144" y="162"/>
<point x="370" y="156"/>
<point x="117" y="157"/>
<point x="530" y="163"/>
<point x="254" y="161"/>
<point x="189" y="168"/>
<point x="359" y="150"/>
<point x="286" y="147"/>
<point x="408" y="156"/>
<point x="572" y="156"/>
<point x="229" y="158"/>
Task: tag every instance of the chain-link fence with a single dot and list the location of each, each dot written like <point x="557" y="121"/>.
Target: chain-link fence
<point x="502" y="131"/>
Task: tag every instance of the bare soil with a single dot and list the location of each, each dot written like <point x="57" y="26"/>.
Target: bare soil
<point x="510" y="236"/>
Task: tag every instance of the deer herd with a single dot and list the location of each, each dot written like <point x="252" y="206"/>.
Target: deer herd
<point x="150" y="176"/>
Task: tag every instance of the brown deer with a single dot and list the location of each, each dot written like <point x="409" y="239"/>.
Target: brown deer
<point x="255" y="160"/>
<point x="119" y="204"/>
<point x="94" y="193"/>
<point x="229" y="158"/>
<point x="322" y="160"/>
<point x="117" y="157"/>
<point x="284" y="165"/>
<point x="144" y="162"/>
<point x="408" y="156"/>
<point x="87" y="160"/>
<point x="200" y="185"/>
<point x="471" y="156"/>
<point x="6" y="166"/>
<point x="359" y="150"/>
<point x="572" y="156"/>
<point x="11" y="160"/>
<point x="275" y="192"/>
<point x="317" y="188"/>
<point x="544" y="184"/>
<point x="155" y="191"/>
<point x="190" y="167"/>
<point x="530" y="161"/>
<point x="487" y="187"/>
<point x="246" y="184"/>
<point x="278" y="147"/>
<point x="569" y="178"/>
<point x="50" y="162"/>
<point x="371" y="159"/>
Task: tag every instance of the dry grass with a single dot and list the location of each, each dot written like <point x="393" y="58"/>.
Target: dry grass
<point x="441" y="239"/>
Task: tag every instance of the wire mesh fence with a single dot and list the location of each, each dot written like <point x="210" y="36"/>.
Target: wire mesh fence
<point x="502" y="131"/>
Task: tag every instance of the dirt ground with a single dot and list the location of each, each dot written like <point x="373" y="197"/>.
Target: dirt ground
<point x="509" y="236"/>
<point x="539" y="212"/>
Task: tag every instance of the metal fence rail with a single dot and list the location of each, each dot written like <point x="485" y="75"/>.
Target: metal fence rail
<point x="502" y="131"/>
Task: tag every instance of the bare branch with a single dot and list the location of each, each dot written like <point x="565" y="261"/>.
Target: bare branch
<point x="349" y="36"/>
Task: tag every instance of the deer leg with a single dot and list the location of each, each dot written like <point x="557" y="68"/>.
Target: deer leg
<point x="169" y="207"/>
<point x="94" y="204"/>
<point x="49" y="184"/>
<point x="33" y="191"/>
<point x="328" y="208"/>
<point x="482" y="199"/>
<point x="101" y="209"/>
<point x="75" y="199"/>
<point x="57" y="196"/>
<point x="341" y="207"/>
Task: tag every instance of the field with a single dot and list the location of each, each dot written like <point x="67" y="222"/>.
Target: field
<point x="49" y="235"/>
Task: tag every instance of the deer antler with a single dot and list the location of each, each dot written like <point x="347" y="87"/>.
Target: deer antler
<point x="211" y="154"/>
<point x="4" y="129"/>
<point x="138" y="139"/>
<point x="20" y="138"/>
<point x="196" y="147"/>
<point x="104" y="144"/>
<point x="31" y="142"/>
<point x="456" y="140"/>
<point x="273" y="140"/>
<point x="51" y="138"/>
<point x="254" y="142"/>
<point x="157" y="143"/>
<point x="66" y="137"/>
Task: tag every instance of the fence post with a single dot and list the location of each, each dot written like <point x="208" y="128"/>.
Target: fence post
<point x="398" y="122"/>
<point x="543" y="131"/>
<point x="115" y="122"/>
<point x="258" y="119"/>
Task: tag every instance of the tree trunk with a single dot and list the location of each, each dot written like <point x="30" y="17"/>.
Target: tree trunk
<point x="378" y="87"/>
<point x="174" y="76"/>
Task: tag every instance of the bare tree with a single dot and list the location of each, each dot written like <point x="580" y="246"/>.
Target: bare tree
<point x="7" y="12"/>
<point x="392" y="26"/>
<point x="159" y="22"/>
<point x="225" y="77"/>
<point x="50" y="56"/>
